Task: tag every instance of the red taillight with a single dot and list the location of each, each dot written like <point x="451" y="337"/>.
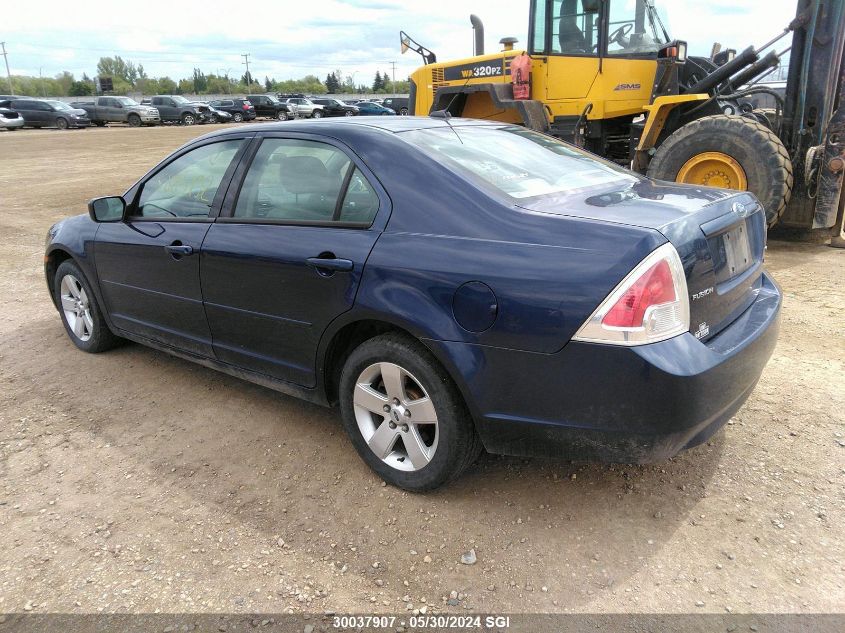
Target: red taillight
<point x="246" y="107"/>
<point x="653" y="288"/>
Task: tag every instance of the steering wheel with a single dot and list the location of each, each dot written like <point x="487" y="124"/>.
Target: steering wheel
<point x="618" y="34"/>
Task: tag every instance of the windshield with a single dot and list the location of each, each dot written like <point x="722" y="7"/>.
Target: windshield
<point x="273" y="99"/>
<point x="127" y="101"/>
<point x="515" y="161"/>
<point x="60" y="105"/>
<point x="180" y="100"/>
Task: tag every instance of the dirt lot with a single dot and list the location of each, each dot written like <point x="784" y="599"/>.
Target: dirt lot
<point x="132" y="481"/>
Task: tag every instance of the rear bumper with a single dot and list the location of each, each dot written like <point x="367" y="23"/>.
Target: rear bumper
<point x="12" y="123"/>
<point x="618" y="404"/>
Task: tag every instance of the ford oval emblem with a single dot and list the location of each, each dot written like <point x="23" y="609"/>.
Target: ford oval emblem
<point x="740" y="209"/>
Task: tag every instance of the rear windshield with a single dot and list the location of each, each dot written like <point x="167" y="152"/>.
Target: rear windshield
<point x="516" y="161"/>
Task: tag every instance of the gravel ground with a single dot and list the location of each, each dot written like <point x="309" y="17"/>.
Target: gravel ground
<point x="136" y="482"/>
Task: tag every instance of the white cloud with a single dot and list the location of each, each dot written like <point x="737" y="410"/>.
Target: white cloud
<point x="289" y="39"/>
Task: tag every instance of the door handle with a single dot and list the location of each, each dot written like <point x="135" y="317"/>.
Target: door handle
<point x="332" y="264"/>
<point x="177" y="250"/>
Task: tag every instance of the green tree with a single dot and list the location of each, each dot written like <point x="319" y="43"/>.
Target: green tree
<point x="80" y="89"/>
<point x="200" y="82"/>
<point x="166" y="86"/>
<point x="268" y="85"/>
<point x="378" y="83"/>
<point x="332" y="83"/>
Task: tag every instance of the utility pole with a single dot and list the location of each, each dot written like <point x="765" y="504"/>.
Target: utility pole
<point x="8" y="73"/>
<point x="246" y="61"/>
<point x="393" y="64"/>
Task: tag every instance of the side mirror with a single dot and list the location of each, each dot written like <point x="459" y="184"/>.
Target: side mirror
<point x="107" y="209"/>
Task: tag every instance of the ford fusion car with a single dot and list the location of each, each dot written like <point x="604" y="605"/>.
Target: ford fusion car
<point x="452" y="285"/>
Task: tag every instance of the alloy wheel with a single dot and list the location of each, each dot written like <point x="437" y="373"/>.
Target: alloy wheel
<point x="396" y="416"/>
<point x="77" y="308"/>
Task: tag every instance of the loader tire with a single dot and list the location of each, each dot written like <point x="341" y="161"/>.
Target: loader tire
<point x="731" y="152"/>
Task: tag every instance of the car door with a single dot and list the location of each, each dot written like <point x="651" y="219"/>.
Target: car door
<point x="287" y="253"/>
<point x="31" y="113"/>
<point x="149" y="265"/>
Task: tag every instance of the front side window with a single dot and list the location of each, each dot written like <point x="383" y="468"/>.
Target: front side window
<point x="292" y="180"/>
<point x="575" y="27"/>
<point x="632" y="28"/>
<point x="186" y="187"/>
<point x="517" y="162"/>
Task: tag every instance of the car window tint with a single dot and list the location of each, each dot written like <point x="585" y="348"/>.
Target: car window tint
<point x="360" y="204"/>
<point x="186" y="187"/>
<point x="297" y="181"/>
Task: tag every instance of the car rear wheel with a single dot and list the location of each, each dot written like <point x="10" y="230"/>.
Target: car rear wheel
<point x="134" y="120"/>
<point x="403" y="111"/>
<point x="100" y="123"/>
<point x="81" y="314"/>
<point x="404" y="415"/>
<point x="188" y="119"/>
<point x="61" y="123"/>
<point x="317" y="114"/>
<point x="237" y="117"/>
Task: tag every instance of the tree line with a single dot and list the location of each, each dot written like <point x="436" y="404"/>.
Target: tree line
<point x="128" y="77"/>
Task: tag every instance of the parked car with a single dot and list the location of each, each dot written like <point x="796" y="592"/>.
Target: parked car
<point x="10" y="119"/>
<point x="177" y="109"/>
<point x="215" y="115"/>
<point x="104" y="110"/>
<point x="502" y="289"/>
<point x="240" y="109"/>
<point x="268" y="106"/>
<point x="368" y="108"/>
<point x="336" y="107"/>
<point x="398" y="104"/>
<point x="48" y="113"/>
<point x="305" y="108"/>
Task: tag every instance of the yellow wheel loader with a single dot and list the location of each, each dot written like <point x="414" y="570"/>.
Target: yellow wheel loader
<point x="606" y="75"/>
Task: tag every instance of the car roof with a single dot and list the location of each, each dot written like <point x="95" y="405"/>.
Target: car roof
<point x="393" y="125"/>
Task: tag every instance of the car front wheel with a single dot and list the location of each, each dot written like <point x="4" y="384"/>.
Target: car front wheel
<point x="348" y="113"/>
<point x="317" y="114"/>
<point x="404" y="415"/>
<point x="81" y="314"/>
<point x="189" y="119"/>
<point x="282" y="115"/>
<point x="237" y="117"/>
<point x="61" y="123"/>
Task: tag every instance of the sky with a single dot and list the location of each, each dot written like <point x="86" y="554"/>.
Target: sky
<point x="288" y="39"/>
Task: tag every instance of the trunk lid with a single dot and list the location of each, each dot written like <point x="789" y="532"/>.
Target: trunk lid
<point x="720" y="236"/>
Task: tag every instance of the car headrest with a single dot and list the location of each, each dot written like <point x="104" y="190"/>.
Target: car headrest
<point x="304" y="174"/>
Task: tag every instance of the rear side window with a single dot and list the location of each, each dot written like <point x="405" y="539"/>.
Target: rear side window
<point x="186" y="187"/>
<point x="292" y="180"/>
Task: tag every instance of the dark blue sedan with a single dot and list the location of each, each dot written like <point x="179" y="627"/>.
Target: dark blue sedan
<point x="453" y="285"/>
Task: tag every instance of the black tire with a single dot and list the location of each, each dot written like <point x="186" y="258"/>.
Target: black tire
<point x="134" y="120"/>
<point x="760" y="153"/>
<point x="188" y="119"/>
<point x="281" y="115"/>
<point x="100" y="123"/>
<point x="403" y="111"/>
<point x="317" y="114"/>
<point x="61" y="123"/>
<point x="458" y="445"/>
<point x="101" y="337"/>
<point x="237" y="117"/>
<point x="214" y="119"/>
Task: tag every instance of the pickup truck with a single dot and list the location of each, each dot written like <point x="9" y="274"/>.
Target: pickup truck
<point x="177" y="109"/>
<point x="118" y="110"/>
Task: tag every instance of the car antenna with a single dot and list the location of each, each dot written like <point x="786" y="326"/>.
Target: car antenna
<point x="446" y="115"/>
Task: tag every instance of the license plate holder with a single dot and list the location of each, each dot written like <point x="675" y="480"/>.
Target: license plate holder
<point x="737" y="250"/>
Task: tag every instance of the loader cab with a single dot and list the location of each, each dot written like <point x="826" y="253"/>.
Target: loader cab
<point x="575" y="43"/>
